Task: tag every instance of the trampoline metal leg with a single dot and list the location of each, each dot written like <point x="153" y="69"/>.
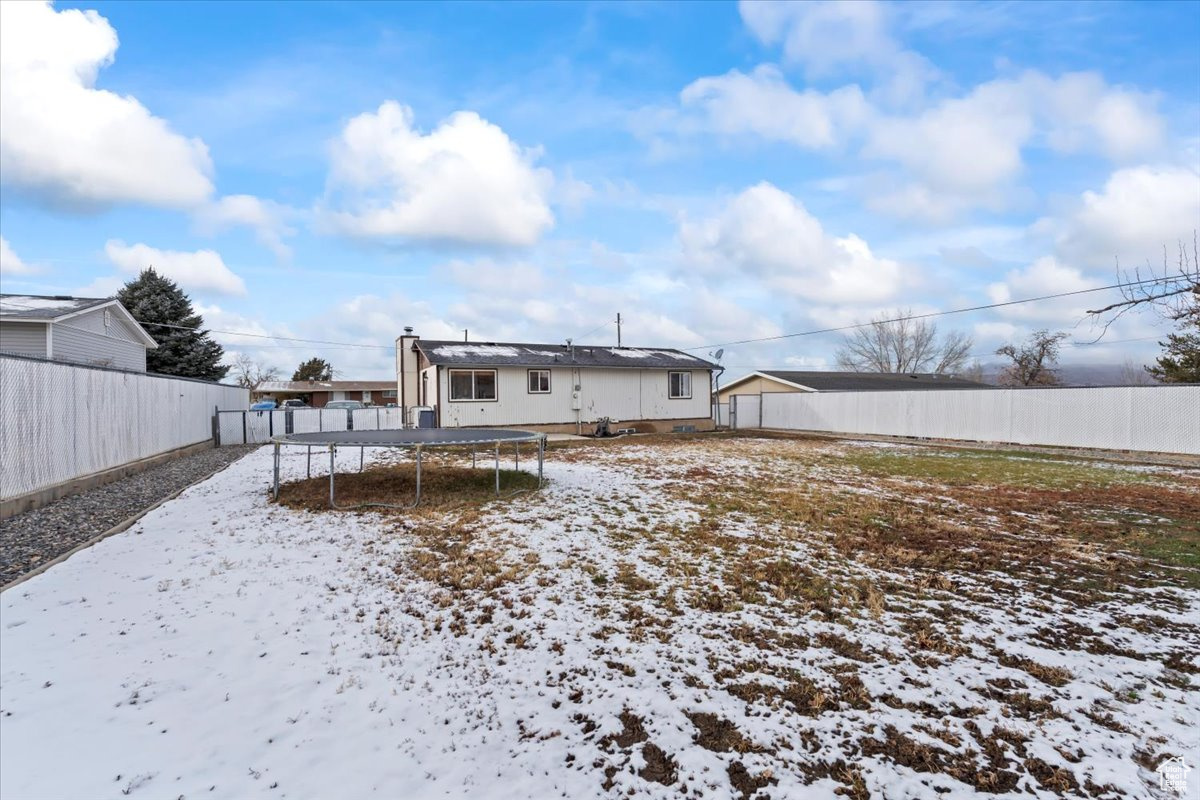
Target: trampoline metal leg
<point x="361" y="451"/>
<point x="418" y="500"/>
<point x="541" y="458"/>
<point x="497" y="469"/>
<point x="332" y="453"/>
<point x="276" y="482"/>
<point x="308" y="466"/>
<point x="472" y="458"/>
<point x="517" y="456"/>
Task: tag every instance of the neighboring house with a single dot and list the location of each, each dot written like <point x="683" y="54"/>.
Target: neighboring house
<point x="767" y="381"/>
<point x="82" y="330"/>
<point x="318" y="393"/>
<point x="553" y="387"/>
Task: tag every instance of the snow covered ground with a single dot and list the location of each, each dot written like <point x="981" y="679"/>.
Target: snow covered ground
<point x="634" y="629"/>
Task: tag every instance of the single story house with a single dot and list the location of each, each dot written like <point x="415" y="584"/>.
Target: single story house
<point x="318" y="393"/>
<point x="82" y="330"/>
<point x="766" y="381"/>
<point x="553" y="387"/>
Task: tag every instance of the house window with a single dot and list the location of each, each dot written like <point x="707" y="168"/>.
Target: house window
<point x="680" y="385"/>
<point x="539" y="381"/>
<point x="107" y="319"/>
<point x="472" y="384"/>
<point x="366" y="396"/>
<point x="389" y="394"/>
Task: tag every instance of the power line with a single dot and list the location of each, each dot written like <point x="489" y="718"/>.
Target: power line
<point x="931" y="314"/>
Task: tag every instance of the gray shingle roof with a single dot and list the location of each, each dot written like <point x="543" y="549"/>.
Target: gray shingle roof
<point x="493" y="354"/>
<point x="872" y="381"/>
<point x="42" y="307"/>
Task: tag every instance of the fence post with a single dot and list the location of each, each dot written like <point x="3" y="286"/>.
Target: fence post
<point x="245" y="434"/>
<point x="216" y="426"/>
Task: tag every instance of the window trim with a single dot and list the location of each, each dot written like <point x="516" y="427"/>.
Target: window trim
<point x="450" y="386"/>
<point x="673" y="372"/>
<point x="529" y="377"/>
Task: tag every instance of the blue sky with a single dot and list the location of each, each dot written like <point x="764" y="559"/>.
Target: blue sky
<point x="713" y="172"/>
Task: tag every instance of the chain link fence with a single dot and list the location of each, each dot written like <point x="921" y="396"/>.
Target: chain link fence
<point x="59" y="421"/>
<point x="257" y="427"/>
<point x="1163" y="419"/>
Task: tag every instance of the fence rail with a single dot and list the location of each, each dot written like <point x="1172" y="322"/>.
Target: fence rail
<point x="1163" y="419"/>
<point x="257" y="427"/>
<point x="63" y="421"/>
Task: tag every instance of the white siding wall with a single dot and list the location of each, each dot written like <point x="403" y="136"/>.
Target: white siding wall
<point x="1146" y="418"/>
<point x="23" y="338"/>
<point x="62" y="421"/>
<point x="622" y="394"/>
<point x="83" y="346"/>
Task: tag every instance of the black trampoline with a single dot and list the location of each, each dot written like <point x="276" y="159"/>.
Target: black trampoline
<point x="416" y="439"/>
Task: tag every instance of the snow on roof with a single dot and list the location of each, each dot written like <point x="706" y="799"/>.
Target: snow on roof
<point x="459" y="350"/>
<point x="43" y="307"/>
<point x="548" y="355"/>
<point x="633" y="352"/>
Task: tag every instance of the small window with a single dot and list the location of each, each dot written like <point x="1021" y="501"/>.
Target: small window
<point x="389" y="394"/>
<point x="472" y="384"/>
<point x="107" y="319"/>
<point x="539" y="381"/>
<point x="680" y="385"/>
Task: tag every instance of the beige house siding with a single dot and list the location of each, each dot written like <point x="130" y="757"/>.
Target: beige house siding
<point x="756" y="385"/>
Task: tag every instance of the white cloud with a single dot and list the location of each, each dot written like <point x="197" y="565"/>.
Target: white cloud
<point x="967" y="152"/>
<point x="762" y="103"/>
<point x="11" y="263"/>
<point x="202" y="270"/>
<point x="766" y="233"/>
<point x="1138" y="212"/>
<point x="266" y="218"/>
<point x="1045" y="276"/>
<point x="464" y="182"/>
<point x="830" y="38"/>
<point x="73" y="144"/>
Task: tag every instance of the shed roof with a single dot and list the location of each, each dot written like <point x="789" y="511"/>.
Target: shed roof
<point x="516" y="354"/>
<point x="865" y="381"/>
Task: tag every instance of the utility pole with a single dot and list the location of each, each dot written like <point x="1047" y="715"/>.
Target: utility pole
<point x="618" y="329"/>
<point x="464" y="334"/>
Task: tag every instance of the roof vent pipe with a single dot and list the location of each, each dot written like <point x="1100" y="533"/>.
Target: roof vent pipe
<point x="408" y="330"/>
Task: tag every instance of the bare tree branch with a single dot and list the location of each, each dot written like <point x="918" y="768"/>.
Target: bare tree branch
<point x="898" y="345"/>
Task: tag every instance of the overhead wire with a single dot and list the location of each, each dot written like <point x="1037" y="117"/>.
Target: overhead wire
<point x="931" y="314"/>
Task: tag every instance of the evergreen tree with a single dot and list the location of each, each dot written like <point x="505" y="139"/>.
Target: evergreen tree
<point x="184" y="350"/>
<point x="315" y="369"/>
<point x="1180" y="361"/>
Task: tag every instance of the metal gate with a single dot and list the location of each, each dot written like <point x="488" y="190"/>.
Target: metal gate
<point x="745" y="411"/>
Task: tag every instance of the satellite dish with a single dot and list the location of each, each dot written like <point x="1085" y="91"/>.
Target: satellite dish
<point x="717" y="355"/>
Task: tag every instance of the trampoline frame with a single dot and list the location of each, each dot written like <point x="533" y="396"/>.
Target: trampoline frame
<point x="332" y="440"/>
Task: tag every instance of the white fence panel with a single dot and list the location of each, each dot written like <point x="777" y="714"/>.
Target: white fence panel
<point x="258" y="427"/>
<point x="391" y="419"/>
<point x="745" y="411"/>
<point x="62" y="421"/>
<point x="306" y="420"/>
<point x="335" y="419"/>
<point x="1146" y="418"/>
<point x="365" y="419"/>
<point x="721" y="414"/>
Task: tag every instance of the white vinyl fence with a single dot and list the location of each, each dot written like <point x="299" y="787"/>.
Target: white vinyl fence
<point x="257" y="427"/>
<point x="63" y="421"/>
<point x="1163" y="419"/>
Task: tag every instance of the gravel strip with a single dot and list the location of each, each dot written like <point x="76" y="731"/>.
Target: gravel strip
<point x="32" y="538"/>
